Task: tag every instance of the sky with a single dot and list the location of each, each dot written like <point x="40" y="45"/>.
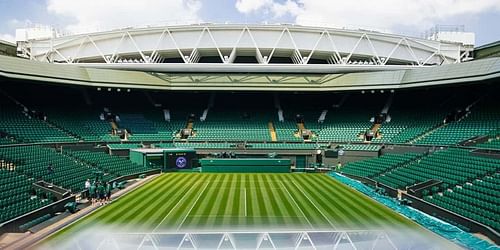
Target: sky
<point x="407" y="17"/>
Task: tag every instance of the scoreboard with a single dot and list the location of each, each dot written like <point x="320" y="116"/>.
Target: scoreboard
<point x="179" y="159"/>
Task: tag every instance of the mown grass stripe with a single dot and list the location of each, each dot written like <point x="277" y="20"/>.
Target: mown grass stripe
<point x="214" y="200"/>
<point x="151" y="216"/>
<point x="192" y="206"/>
<point x="136" y="212"/>
<point x="299" y="207"/>
<point x="115" y="207"/>
<point x="319" y="196"/>
<point x="270" y="219"/>
<point x="291" y="214"/>
<point x="345" y="205"/>
<point x="372" y="214"/>
<point x="176" y="200"/>
<point x="210" y="203"/>
<point x="274" y="202"/>
<point x="314" y="204"/>
<point x="382" y="214"/>
<point x="172" y="215"/>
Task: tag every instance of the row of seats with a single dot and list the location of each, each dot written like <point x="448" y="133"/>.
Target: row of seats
<point x="360" y="147"/>
<point x="112" y="165"/>
<point x="452" y="166"/>
<point x="346" y="124"/>
<point x="124" y="146"/>
<point x="493" y="141"/>
<point x="21" y="166"/>
<point x="471" y="184"/>
<point x="376" y="166"/>
<point x="478" y="200"/>
<point x="85" y="125"/>
<point x="477" y="122"/>
<point x="33" y="161"/>
<point x="22" y="207"/>
<point x="26" y="129"/>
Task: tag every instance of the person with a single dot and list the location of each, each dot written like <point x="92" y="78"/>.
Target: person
<point x="339" y="166"/>
<point x="108" y="192"/>
<point x="100" y="192"/>
<point x="92" y="193"/>
<point x="50" y="168"/>
<point x="87" y="187"/>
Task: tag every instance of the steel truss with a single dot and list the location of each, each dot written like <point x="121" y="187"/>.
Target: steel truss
<point x="227" y="42"/>
<point x="366" y="239"/>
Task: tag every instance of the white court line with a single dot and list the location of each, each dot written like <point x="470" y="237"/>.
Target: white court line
<point x="194" y="204"/>
<point x="331" y="224"/>
<point x="296" y="204"/>
<point x="171" y="210"/>
<point x="245" y="194"/>
<point x="239" y="216"/>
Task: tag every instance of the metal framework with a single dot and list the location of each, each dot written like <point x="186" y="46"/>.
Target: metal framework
<point x="227" y="44"/>
<point x="364" y="239"/>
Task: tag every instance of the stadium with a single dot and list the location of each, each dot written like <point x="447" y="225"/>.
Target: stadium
<point x="232" y="136"/>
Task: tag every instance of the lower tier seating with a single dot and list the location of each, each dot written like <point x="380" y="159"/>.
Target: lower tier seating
<point x="15" y="193"/>
<point x="471" y="184"/>
<point x="478" y="200"/>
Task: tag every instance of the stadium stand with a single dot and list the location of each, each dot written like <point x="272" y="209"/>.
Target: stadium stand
<point x="360" y="147"/>
<point x="124" y="146"/>
<point x="84" y="124"/>
<point x="33" y="161"/>
<point x="477" y="121"/>
<point x="452" y="166"/>
<point x="114" y="166"/>
<point x="23" y="165"/>
<point x="26" y="128"/>
<point x="377" y="166"/>
<point x="15" y="193"/>
<point x="478" y="200"/>
<point x="244" y="126"/>
<point x="467" y="179"/>
<point x="493" y="141"/>
<point x="470" y="183"/>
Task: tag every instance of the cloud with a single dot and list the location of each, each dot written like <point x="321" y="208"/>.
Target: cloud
<point x="8" y="38"/>
<point x="10" y="27"/>
<point x="89" y="15"/>
<point x="380" y="14"/>
<point x="249" y="6"/>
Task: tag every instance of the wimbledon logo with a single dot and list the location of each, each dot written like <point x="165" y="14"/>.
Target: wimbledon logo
<point x="181" y="162"/>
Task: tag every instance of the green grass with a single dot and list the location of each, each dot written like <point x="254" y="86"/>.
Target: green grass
<point x="193" y="201"/>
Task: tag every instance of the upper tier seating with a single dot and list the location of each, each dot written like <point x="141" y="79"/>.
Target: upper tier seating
<point x="480" y="121"/>
<point x="146" y="126"/>
<point x="84" y="124"/>
<point x="344" y="126"/>
<point x="452" y="166"/>
<point x="114" y="165"/>
<point x="406" y="125"/>
<point x="490" y="144"/>
<point x="27" y="130"/>
<point x="376" y="166"/>
<point x="285" y="131"/>
<point x="232" y="126"/>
